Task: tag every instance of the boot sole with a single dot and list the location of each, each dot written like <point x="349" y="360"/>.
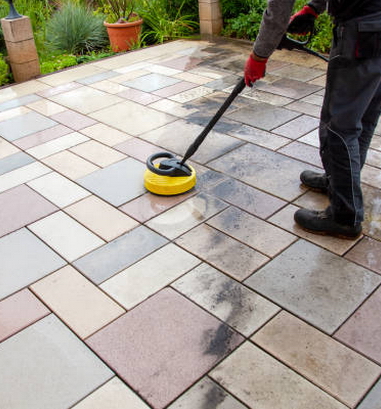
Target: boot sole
<point x="325" y="233"/>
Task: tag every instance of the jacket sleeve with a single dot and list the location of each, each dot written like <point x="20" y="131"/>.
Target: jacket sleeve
<point x="273" y="26"/>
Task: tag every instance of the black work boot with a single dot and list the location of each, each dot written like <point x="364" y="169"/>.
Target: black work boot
<point x="321" y="222"/>
<point x="316" y="181"/>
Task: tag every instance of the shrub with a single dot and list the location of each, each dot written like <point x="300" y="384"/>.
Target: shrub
<point x="74" y="29"/>
<point x="5" y="75"/>
<point x="56" y="62"/>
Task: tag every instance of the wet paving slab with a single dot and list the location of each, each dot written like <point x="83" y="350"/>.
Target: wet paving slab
<point x="113" y="297"/>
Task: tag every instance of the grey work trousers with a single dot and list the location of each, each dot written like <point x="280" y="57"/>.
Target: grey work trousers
<point x="350" y="112"/>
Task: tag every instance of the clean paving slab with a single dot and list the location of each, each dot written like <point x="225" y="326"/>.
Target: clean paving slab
<point x="24" y="260"/>
<point x="15" y="161"/>
<point x="46" y="366"/>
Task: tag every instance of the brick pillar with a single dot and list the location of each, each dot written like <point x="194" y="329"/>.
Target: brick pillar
<point x="210" y="16"/>
<point x="22" y="52"/>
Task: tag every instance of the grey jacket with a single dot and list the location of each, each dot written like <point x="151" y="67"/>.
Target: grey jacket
<point x="275" y="22"/>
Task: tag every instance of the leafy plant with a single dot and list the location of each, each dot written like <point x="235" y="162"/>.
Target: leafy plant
<point x="5" y="75"/>
<point x="160" y="27"/>
<point x="119" y="11"/>
<point x="74" y="29"/>
<point x="57" y="62"/>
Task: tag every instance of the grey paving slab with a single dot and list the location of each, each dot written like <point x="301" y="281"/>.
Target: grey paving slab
<point x="263" y="116"/>
<point x="13" y="103"/>
<point x="98" y="77"/>
<point x="23" y="125"/>
<point x="230" y="301"/>
<point x="373" y="399"/>
<point x="15" y="161"/>
<point x="151" y="82"/>
<point x="247" y="198"/>
<point x="206" y="394"/>
<point x="314" y="284"/>
<point x="118" y="254"/>
<point x="117" y="183"/>
<point x="269" y="171"/>
<point x="46" y="366"/>
<point x="24" y="259"/>
<point x="289" y="88"/>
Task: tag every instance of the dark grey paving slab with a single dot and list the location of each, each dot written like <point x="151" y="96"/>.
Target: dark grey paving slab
<point x="27" y="99"/>
<point x="23" y="125"/>
<point x="298" y="72"/>
<point x="117" y="183"/>
<point x="373" y="399"/>
<point x="289" y="88"/>
<point x="247" y="198"/>
<point x="177" y="136"/>
<point x="24" y="259"/>
<point x="118" y="254"/>
<point x="14" y="161"/>
<point x="263" y="116"/>
<point x="314" y="284"/>
<point x="151" y="82"/>
<point x="46" y="366"/>
<point x="269" y="171"/>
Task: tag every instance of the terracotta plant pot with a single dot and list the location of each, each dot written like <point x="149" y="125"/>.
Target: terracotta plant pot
<point x="123" y="35"/>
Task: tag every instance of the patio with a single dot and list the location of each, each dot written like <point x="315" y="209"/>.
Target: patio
<point x="114" y="298"/>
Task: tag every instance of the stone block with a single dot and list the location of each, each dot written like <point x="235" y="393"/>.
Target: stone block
<point x="22" y="51"/>
<point x="210" y="26"/>
<point x="210" y="11"/>
<point x="25" y="71"/>
<point x="19" y="29"/>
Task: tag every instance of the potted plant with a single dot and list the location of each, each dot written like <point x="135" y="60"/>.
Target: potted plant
<point x="123" y="24"/>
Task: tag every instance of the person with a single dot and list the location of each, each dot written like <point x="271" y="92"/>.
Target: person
<point x="351" y="106"/>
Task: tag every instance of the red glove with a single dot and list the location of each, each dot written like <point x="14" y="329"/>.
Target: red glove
<point x="254" y="70"/>
<point x="303" y="21"/>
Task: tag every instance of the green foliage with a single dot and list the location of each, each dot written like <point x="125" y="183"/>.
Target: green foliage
<point x="74" y="29"/>
<point x="55" y="62"/>
<point x="245" y="24"/>
<point x="93" y="56"/>
<point x="118" y="11"/>
<point x="5" y="75"/>
<point x="159" y="26"/>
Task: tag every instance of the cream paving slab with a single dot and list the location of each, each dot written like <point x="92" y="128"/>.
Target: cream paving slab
<point x="371" y="176"/>
<point x="172" y="107"/>
<point x="262" y="382"/>
<point x="101" y="218"/>
<point x="41" y="137"/>
<point x="186" y="215"/>
<point x="221" y="251"/>
<point x="149" y="275"/>
<point x="46" y="366"/>
<point x="105" y="134"/>
<point x="7" y="149"/>
<point x="58" y="89"/>
<point x="127" y="74"/>
<point x="20" y="90"/>
<point x="254" y="232"/>
<point x="57" y="145"/>
<point x="197" y="79"/>
<point x="58" y="189"/>
<point x="46" y="107"/>
<point x="315" y="284"/>
<point x="24" y="259"/>
<point x="206" y="394"/>
<point x="70" y="75"/>
<point x="108" y="86"/>
<point x="19" y="311"/>
<point x="132" y="118"/>
<point x="336" y="369"/>
<point x="305" y="108"/>
<point x="191" y="94"/>
<point x="159" y="69"/>
<point x="373" y="158"/>
<point x="231" y="302"/>
<point x="98" y="153"/>
<point x="86" y="99"/>
<point x="69" y="164"/>
<point x="285" y="219"/>
<point x="312" y="138"/>
<point x="76" y="301"/>
<point x="69" y="238"/>
<point x="22" y="175"/>
<point x="112" y="395"/>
